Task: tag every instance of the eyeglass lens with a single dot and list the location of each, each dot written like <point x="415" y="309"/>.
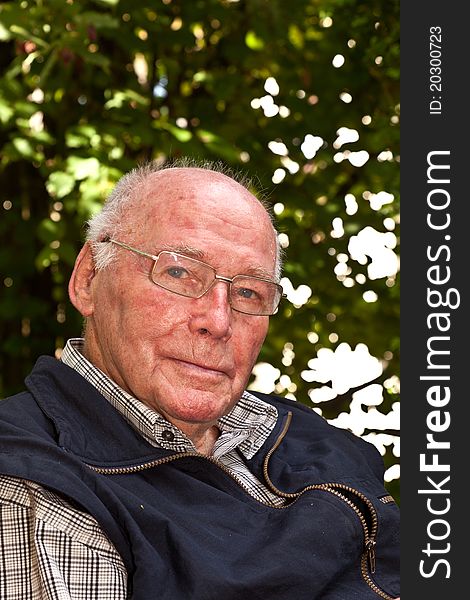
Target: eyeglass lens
<point x="189" y="277"/>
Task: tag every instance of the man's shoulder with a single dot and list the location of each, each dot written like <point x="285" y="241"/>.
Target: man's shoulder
<point x="16" y="408"/>
<point x="305" y="423"/>
<point x="18" y="405"/>
<point x="24" y="429"/>
<point x="46" y="369"/>
<point x="305" y="414"/>
<point x="309" y="428"/>
<point x="52" y="391"/>
<point x="24" y="418"/>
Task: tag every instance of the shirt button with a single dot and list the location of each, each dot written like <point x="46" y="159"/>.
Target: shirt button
<point x="168" y="435"/>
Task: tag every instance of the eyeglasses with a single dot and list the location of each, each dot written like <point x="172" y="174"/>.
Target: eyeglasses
<point x="192" y="278"/>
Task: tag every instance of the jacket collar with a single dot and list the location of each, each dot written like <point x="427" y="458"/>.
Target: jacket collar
<point x="82" y="417"/>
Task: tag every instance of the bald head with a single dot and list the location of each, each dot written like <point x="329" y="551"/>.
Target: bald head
<point x="194" y="193"/>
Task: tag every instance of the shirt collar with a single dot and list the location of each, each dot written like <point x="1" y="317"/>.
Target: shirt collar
<point x="246" y="426"/>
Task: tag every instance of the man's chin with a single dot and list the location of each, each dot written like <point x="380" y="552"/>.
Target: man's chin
<point x="196" y="406"/>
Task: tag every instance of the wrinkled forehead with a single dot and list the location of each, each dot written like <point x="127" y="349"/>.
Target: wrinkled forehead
<point x="205" y="188"/>
<point x="199" y="198"/>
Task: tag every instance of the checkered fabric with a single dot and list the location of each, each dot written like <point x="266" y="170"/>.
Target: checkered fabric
<point x="49" y="550"/>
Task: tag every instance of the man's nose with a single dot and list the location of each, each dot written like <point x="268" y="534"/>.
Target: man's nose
<point x="212" y="312"/>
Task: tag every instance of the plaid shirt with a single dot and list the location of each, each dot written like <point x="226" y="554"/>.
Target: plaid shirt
<point x="51" y="550"/>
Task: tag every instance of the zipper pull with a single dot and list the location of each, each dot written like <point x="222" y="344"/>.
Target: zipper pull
<point x="370" y="549"/>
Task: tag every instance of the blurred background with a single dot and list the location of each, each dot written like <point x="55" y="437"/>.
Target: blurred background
<point x="302" y="95"/>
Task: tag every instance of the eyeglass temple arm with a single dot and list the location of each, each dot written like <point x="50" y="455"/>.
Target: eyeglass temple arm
<point x="109" y="239"/>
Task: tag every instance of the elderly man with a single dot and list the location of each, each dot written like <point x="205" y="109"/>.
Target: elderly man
<point x="138" y="466"/>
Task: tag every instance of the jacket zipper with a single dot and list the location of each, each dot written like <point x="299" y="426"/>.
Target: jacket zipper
<point x="168" y="459"/>
<point x="162" y="461"/>
<point x="387" y="499"/>
<point x="368" y="556"/>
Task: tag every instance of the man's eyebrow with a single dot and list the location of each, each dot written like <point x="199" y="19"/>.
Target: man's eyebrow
<point x="259" y="272"/>
<point x="198" y="254"/>
<point x="184" y="249"/>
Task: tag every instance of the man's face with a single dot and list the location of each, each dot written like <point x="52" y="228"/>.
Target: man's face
<point x="189" y="359"/>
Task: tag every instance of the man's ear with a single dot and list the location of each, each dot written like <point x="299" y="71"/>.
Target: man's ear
<point x="80" y="284"/>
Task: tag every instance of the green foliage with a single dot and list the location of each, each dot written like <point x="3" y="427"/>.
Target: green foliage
<point x="89" y="88"/>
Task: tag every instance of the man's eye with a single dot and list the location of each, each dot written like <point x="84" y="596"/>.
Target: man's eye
<point x="177" y="272"/>
<point x="247" y="293"/>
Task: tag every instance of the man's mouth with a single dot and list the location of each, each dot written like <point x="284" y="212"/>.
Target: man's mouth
<point x="202" y="368"/>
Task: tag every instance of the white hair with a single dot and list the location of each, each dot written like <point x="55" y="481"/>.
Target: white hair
<point x="108" y="223"/>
